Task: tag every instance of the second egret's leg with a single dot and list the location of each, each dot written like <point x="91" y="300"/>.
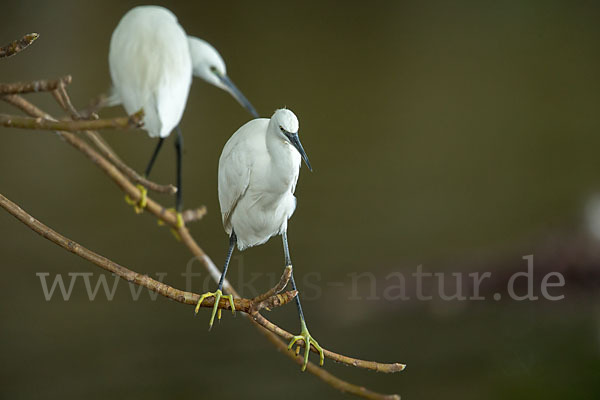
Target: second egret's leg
<point x="219" y="293"/>
<point x="141" y="203"/>
<point x="179" y="195"/>
<point x="153" y="158"/>
<point x="304" y="334"/>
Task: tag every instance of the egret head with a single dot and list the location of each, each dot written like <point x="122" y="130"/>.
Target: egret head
<point x="287" y="125"/>
<point x="208" y="64"/>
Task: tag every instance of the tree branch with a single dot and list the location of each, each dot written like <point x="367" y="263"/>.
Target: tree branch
<point x="355" y="362"/>
<point x="193" y="215"/>
<point x="12" y="121"/>
<point x="43" y="85"/>
<point x="18" y="45"/>
<point x="170" y="218"/>
<point x="244" y="305"/>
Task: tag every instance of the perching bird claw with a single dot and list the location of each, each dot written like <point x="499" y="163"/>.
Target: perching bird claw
<point x="216" y="310"/>
<point x="139" y="205"/>
<point x="179" y="224"/>
<point x="178" y="215"/>
<point x="308" y="340"/>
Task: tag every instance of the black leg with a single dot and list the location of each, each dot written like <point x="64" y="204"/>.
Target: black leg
<point x="288" y="261"/>
<point x="151" y="163"/>
<point x="219" y="293"/>
<point x="179" y="152"/>
<point x="232" y="242"/>
<point x="304" y="335"/>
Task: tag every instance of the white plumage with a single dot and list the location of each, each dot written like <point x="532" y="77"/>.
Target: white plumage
<point x="151" y="67"/>
<point x="152" y="61"/>
<point x="258" y="171"/>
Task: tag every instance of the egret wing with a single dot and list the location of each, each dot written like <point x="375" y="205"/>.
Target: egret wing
<point x="235" y="166"/>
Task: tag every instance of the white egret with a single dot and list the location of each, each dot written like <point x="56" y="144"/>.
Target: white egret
<point x="151" y="63"/>
<point x="258" y="172"/>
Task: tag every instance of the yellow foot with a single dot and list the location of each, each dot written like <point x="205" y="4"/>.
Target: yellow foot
<point x="180" y="224"/>
<point x="216" y="310"/>
<point x="139" y="205"/>
<point x="308" y="340"/>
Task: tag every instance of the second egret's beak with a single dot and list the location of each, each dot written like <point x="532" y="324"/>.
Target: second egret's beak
<point x="295" y="140"/>
<point x="235" y="92"/>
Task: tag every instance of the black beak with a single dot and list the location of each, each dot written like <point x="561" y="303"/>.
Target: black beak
<point x="295" y="140"/>
<point x="235" y="92"/>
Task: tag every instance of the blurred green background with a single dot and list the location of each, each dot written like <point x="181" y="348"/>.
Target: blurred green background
<point x="457" y="135"/>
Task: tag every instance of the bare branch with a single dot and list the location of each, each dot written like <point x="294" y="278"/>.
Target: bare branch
<point x="355" y="362"/>
<point x="243" y="305"/>
<point x="96" y="104"/>
<point x="287" y="273"/>
<point x="194" y="215"/>
<point x="61" y="96"/>
<point x="18" y="45"/>
<point x="12" y="121"/>
<point x="44" y="85"/>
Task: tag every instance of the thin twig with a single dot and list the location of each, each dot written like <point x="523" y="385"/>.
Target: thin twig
<point x="287" y="273"/>
<point x="193" y="215"/>
<point x="43" y="85"/>
<point x="12" y="121"/>
<point x="96" y="104"/>
<point x="170" y="218"/>
<point x="63" y="99"/>
<point x="18" y="45"/>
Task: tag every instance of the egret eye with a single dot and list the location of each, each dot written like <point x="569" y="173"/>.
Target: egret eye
<point x="213" y="69"/>
<point x="281" y="128"/>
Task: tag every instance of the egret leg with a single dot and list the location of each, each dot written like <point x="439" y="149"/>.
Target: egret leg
<point x="139" y="205"/>
<point x="178" y="199"/>
<point x="219" y="293"/>
<point x="153" y="158"/>
<point x="179" y="195"/>
<point x="304" y="334"/>
<point x="179" y="153"/>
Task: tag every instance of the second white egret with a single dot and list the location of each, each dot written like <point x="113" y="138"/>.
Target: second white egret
<point x="258" y="172"/>
<point x="151" y="62"/>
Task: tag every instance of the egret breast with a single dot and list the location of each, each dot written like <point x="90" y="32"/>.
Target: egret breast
<point x="261" y="215"/>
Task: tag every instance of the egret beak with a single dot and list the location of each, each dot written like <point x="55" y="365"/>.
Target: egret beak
<point x="235" y="92"/>
<point x="295" y="140"/>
